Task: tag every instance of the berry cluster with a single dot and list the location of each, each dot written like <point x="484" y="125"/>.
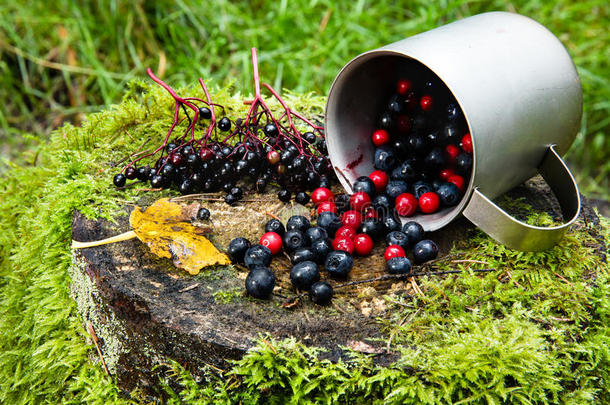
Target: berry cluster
<point x="346" y="226"/>
<point x="287" y="149"/>
<point x="423" y="151"/>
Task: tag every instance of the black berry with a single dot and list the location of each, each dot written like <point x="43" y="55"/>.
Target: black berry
<point x="339" y="263"/>
<point x="257" y="255"/>
<point x="260" y="282"/>
<point x="237" y="249"/>
<point x="304" y="274"/>
<point x="424" y="251"/>
<point x="321" y="293"/>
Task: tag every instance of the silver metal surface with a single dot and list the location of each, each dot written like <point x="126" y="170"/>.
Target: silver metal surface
<point x="515" y="234"/>
<point x="512" y="78"/>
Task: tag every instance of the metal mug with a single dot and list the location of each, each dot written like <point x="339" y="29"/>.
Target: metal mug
<point x="522" y="100"/>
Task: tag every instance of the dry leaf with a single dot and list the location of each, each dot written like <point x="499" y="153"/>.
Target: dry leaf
<point x="163" y="227"/>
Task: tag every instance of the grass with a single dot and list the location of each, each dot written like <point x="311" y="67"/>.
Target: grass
<point x="66" y="58"/>
<point x="535" y="331"/>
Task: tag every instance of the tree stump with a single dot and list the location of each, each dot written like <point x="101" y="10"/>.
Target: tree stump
<point x="144" y="312"/>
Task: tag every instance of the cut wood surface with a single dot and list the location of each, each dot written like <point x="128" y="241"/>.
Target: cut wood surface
<point x="144" y="312"/>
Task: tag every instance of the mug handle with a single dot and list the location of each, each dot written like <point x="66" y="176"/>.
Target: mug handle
<point x="515" y="234"/>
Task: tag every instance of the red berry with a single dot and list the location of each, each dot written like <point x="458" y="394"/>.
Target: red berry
<point x="452" y="152"/>
<point x="429" y="202"/>
<point x="403" y="86"/>
<point x="406" y="204"/>
<point x="345" y="244"/>
<point x="446" y="173"/>
<point x="327" y="206"/>
<point x="176" y="159"/>
<point x="273" y="157"/>
<point x="351" y="218"/>
<point x="363" y="244"/>
<point x="380" y="137"/>
<point x="393" y="251"/>
<point x="467" y="143"/>
<point x="380" y="179"/>
<point x="426" y="103"/>
<point x="403" y="123"/>
<point x="321" y="194"/>
<point x="360" y="201"/>
<point x="345" y="232"/>
<point x="273" y="241"/>
<point x="206" y="154"/>
<point x="458" y="181"/>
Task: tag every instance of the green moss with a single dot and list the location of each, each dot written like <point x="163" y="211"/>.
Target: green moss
<point x="533" y="331"/>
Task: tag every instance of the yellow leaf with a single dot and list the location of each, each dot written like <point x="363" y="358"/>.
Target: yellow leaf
<point x="164" y="227"/>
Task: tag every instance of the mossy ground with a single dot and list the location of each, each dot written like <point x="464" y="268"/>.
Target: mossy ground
<point x="537" y="330"/>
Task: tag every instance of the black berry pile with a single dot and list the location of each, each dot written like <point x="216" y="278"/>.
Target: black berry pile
<point x="346" y="226"/>
<point x="423" y="150"/>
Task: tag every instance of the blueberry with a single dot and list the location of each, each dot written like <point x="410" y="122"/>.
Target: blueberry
<point x="450" y="134"/>
<point x="453" y="112"/>
<point x="391" y="223"/>
<point x="260" y="282"/>
<point x="293" y="240"/>
<point x="304" y="274"/>
<point x="364" y="184"/>
<point x="321" y="293"/>
<point x="463" y="164"/>
<point x="275" y="225"/>
<point x="449" y="194"/>
<point x="396" y="104"/>
<point x="397" y="238"/>
<point x="424" y="251"/>
<point x="314" y="233"/>
<point x="339" y="263"/>
<point x="119" y="180"/>
<point x="406" y="171"/>
<point x="372" y="227"/>
<point x="432" y="138"/>
<point x="385" y="158"/>
<point x="237" y="249"/>
<point x="298" y="222"/>
<point x="421" y="187"/>
<point x="203" y="214"/>
<point x="436" y="184"/>
<point x="398" y="265"/>
<point x="257" y="255"/>
<point x="416" y="144"/>
<point x="383" y="205"/>
<point x="321" y="248"/>
<point x="414" y="232"/>
<point x="302" y="198"/>
<point x="435" y="159"/>
<point x="396" y="188"/>
<point x="330" y="222"/>
<point x="302" y="254"/>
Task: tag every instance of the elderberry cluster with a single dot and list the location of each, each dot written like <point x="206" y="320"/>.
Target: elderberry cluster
<point x="215" y="153"/>
<point x="293" y="164"/>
